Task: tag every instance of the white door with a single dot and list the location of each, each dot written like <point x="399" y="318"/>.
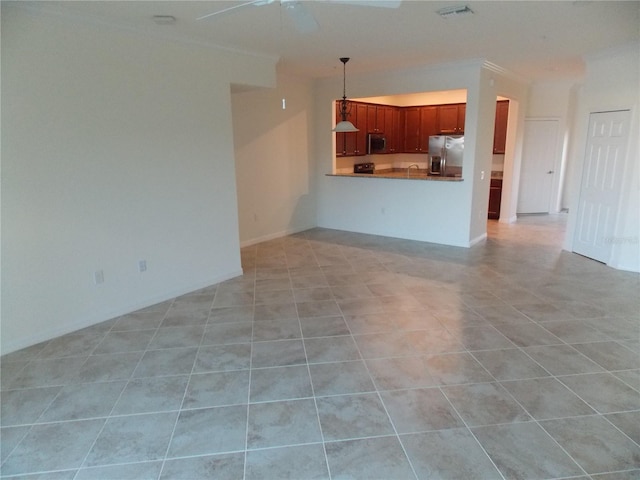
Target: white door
<point x="539" y="153"/>
<point x="601" y="183"/>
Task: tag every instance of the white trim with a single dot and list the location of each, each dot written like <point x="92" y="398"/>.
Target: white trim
<point x="273" y="236"/>
<point x="478" y="239"/>
<point x="504" y="72"/>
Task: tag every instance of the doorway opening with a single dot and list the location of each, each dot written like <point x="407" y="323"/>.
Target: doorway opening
<point x="503" y="190"/>
<point x="533" y="230"/>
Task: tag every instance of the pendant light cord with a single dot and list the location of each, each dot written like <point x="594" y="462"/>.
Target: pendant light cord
<point x="343" y="107"/>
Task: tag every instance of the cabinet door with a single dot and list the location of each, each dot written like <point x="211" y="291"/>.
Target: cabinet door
<point x="462" y="112"/>
<point x="371" y="119"/>
<point x="381" y="119"/>
<point x="448" y="119"/>
<point x="392" y="128"/>
<point x="428" y="126"/>
<point x="495" y="196"/>
<point x="350" y="140"/>
<point x="500" y="132"/>
<point x="376" y="118"/>
<point x="353" y="143"/>
<point x="451" y="119"/>
<point x="411" y="129"/>
<point x="361" y="125"/>
<point x="350" y="144"/>
<point x="341" y="145"/>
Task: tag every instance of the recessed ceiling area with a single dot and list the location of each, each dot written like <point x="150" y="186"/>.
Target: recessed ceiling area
<point x="535" y="40"/>
<point x="420" y="98"/>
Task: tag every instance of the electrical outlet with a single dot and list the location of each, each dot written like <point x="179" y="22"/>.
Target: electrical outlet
<point x="98" y="277"/>
<point x="142" y="266"/>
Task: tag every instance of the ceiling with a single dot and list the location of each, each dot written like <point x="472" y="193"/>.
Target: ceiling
<point x="542" y="40"/>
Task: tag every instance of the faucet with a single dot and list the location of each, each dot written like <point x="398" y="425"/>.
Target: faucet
<point x="409" y="168"/>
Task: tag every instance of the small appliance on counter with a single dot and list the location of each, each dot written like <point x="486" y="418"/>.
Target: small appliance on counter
<point x="445" y="155"/>
<point x="364" y="168"/>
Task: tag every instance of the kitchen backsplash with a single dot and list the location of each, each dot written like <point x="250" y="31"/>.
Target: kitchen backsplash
<point x="497" y="164"/>
<point x="401" y="160"/>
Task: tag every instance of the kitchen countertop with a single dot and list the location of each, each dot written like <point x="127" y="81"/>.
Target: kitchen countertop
<point x="400" y="174"/>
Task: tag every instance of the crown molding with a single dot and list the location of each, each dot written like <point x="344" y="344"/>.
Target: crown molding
<point x="504" y="72"/>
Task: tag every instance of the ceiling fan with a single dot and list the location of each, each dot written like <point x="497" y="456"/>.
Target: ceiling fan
<point x="303" y="19"/>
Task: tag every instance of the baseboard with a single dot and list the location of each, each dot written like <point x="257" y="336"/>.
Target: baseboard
<point x="273" y="236"/>
<point x="89" y="321"/>
<point x="478" y="239"/>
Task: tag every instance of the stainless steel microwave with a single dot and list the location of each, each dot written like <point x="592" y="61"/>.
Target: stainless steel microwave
<point x="377" y="143"/>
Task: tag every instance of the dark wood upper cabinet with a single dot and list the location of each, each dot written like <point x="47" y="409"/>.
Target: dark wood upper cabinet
<point x="369" y="118"/>
<point x="428" y="126"/>
<point x="462" y="115"/>
<point x="500" y="131"/>
<point x="357" y="141"/>
<point x="451" y="119"/>
<point x="407" y="129"/>
<point x="411" y="143"/>
<point x="341" y="145"/>
<point x="376" y="118"/>
<point x="392" y="128"/>
<point x="419" y="124"/>
<point x="352" y="143"/>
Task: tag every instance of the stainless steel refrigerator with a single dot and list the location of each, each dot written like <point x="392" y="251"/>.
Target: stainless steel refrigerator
<point x="445" y="155"/>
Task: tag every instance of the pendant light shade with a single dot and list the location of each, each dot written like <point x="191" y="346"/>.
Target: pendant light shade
<point x="344" y="125"/>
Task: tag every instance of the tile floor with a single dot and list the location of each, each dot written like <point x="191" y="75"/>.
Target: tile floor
<point x="341" y="355"/>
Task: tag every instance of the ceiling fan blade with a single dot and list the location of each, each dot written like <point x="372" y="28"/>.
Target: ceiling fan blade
<point x="303" y="19"/>
<point x="230" y="9"/>
<point x="369" y="3"/>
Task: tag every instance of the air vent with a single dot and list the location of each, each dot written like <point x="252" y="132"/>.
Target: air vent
<point x="452" y="12"/>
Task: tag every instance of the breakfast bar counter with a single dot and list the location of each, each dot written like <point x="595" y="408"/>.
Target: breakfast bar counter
<point x="400" y="174"/>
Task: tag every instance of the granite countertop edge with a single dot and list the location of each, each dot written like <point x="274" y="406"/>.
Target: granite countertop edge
<point x="395" y="176"/>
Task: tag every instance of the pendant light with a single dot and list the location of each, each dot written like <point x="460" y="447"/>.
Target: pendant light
<point x="344" y="125"/>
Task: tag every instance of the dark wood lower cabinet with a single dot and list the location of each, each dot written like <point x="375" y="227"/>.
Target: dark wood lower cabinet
<point x="495" y="196"/>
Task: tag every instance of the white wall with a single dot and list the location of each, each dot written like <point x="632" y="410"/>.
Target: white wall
<point x="612" y="82"/>
<point x="115" y="148"/>
<point x="274" y="162"/>
<point x="439" y="212"/>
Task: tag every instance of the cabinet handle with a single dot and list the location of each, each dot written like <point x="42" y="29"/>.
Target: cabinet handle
<point x="550" y="172"/>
